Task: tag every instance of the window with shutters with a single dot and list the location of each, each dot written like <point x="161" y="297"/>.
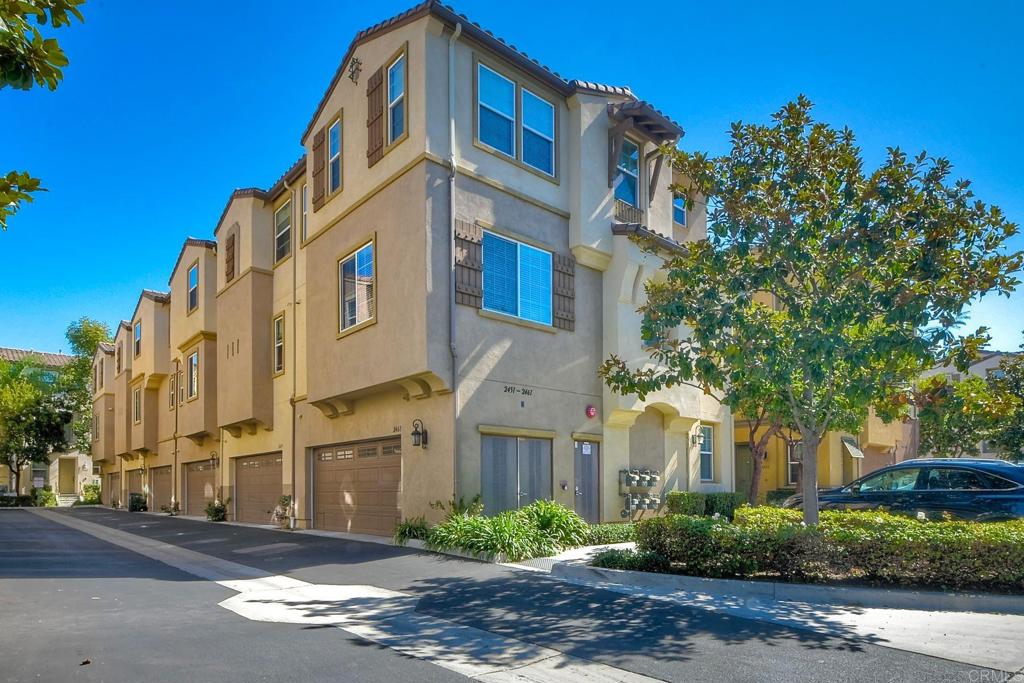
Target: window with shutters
<point x="334" y="156"/>
<point x="356" y="289"/>
<point x="515" y="121"/>
<point x="516" y="279"/>
<point x="283" y="232"/>
<point x="278" y="332"/>
<point x="627" y="177"/>
<point x="193" y="286"/>
<point x="396" y="99"/>
<point x="229" y="258"/>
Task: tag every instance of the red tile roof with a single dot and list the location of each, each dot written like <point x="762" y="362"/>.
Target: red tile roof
<point x="50" y="360"/>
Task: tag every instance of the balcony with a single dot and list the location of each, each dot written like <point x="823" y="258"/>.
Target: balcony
<point x="625" y="213"/>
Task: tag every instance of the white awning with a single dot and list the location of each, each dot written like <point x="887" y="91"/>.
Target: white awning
<point x="852" y="448"/>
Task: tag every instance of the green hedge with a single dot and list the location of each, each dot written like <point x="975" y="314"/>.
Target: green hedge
<point x="18" y="501"/>
<point x="601" y="534"/>
<point x="91" y="494"/>
<point x="44" y="497"/>
<point x="704" y="504"/>
<point x="875" y="547"/>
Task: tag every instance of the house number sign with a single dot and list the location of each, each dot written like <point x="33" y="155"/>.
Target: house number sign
<point x="517" y="390"/>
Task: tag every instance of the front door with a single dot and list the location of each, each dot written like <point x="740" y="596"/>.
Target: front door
<point x="744" y="468"/>
<point x="587" y="463"/>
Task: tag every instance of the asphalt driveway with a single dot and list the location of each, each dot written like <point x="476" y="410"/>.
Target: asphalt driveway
<point x="69" y="597"/>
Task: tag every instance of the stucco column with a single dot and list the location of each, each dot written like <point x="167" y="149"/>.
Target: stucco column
<point x="677" y="444"/>
<point x="615" y="457"/>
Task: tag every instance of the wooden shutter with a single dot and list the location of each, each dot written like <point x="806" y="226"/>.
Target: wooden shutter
<point x="469" y="264"/>
<point x="319" y="168"/>
<point x="229" y="258"/>
<point x="563" y="292"/>
<point x="375" y="117"/>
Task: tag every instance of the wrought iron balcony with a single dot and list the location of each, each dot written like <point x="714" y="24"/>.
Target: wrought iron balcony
<point x="625" y="213"/>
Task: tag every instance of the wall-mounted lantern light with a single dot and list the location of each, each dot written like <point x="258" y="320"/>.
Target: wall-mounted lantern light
<point x="419" y="434"/>
<point x="697" y="438"/>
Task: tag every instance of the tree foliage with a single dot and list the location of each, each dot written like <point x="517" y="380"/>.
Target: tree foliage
<point x="830" y="284"/>
<point x="32" y="416"/>
<point x="28" y="59"/>
<point x="1008" y="381"/>
<point x="956" y="415"/>
<point x="75" y="379"/>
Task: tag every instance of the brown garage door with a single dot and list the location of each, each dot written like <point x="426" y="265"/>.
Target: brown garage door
<point x="257" y="487"/>
<point x="134" y="481"/>
<point x="113" y="492"/>
<point x="160" y="488"/>
<point x="199" y="486"/>
<point x="357" y="486"/>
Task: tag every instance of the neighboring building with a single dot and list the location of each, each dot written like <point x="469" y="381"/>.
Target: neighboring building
<point x="67" y="471"/>
<point x="317" y="348"/>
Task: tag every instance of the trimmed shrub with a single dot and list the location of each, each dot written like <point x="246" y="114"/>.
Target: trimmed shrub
<point x="415" y="528"/>
<point x="19" y="501"/>
<point x="619" y="532"/>
<point x="872" y="546"/>
<point x="618" y="558"/>
<point x="137" y="502"/>
<point x="686" y="503"/>
<point x="563" y="526"/>
<point x="90" y="494"/>
<point x="44" y="497"/>
<point x="724" y="504"/>
<point x="217" y="511"/>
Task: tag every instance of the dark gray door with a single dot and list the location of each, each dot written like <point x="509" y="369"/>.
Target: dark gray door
<point x="514" y="472"/>
<point x="587" y="461"/>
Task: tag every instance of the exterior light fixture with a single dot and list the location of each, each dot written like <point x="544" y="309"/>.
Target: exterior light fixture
<point x="354" y="68"/>
<point x="419" y="434"/>
<point x="698" y="438"/>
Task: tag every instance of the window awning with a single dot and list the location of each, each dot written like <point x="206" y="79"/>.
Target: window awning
<point x="852" y="448"/>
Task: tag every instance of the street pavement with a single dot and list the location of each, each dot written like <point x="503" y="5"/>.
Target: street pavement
<point x="76" y="607"/>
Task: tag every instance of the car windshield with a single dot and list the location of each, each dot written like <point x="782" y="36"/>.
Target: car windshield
<point x="893" y="480"/>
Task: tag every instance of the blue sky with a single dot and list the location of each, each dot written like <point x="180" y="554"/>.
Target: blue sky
<point x="166" y="107"/>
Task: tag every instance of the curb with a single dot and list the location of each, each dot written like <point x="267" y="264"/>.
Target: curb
<point x="702" y="589"/>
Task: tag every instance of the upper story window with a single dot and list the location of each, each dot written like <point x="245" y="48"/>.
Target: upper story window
<point x="192" y="375"/>
<point x="517" y="279"/>
<point x="117" y="363"/>
<point x="99" y="374"/>
<point x="172" y="391"/>
<point x="278" y="344"/>
<point x="707" y="453"/>
<point x="627" y="179"/>
<point x="283" y="232"/>
<point x="334" y="157"/>
<point x="538" y="133"/>
<point x="356" y="283"/>
<point x="396" y="99"/>
<point x="137" y="344"/>
<point x="496" y="110"/>
<point x="679" y="210"/>
<point x="229" y="258"/>
<point x="137" y="406"/>
<point x="193" y="287"/>
<point x="303" y="227"/>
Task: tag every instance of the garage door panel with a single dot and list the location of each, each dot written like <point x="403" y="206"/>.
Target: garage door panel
<point x="257" y="487"/>
<point x="356" y="486"/>
<point x="160" y="488"/>
<point x="200" y="478"/>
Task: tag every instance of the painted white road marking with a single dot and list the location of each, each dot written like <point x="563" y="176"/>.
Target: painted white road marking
<point x="376" y="614"/>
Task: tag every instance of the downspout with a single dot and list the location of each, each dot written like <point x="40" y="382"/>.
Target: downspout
<point x="174" y="469"/>
<point x="293" y="508"/>
<point x="453" y="166"/>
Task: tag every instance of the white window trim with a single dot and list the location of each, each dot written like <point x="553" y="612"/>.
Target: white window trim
<point x="305" y="211"/>
<point x="192" y="378"/>
<point x="173" y="391"/>
<point x="137" y="338"/>
<point x="519" y="280"/>
<point x="790" y="453"/>
<point x="284" y="208"/>
<point x="674" y="198"/>
<point x="341" y="288"/>
<point x="636" y="176"/>
<point x="136" y="405"/>
<point x="393" y="102"/>
<point x="278" y="343"/>
<point x="188" y="299"/>
<point x="536" y="132"/>
<point x="331" y="157"/>
<point x="480" y="103"/>
<point x="710" y="452"/>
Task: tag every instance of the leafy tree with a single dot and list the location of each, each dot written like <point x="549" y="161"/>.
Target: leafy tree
<point x="29" y="415"/>
<point x="27" y="59"/>
<point x="1009" y="382"/>
<point x="956" y="415"/>
<point x="75" y="379"/>
<point x="868" y="275"/>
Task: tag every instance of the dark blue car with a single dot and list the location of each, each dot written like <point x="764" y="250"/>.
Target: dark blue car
<point x="930" y="488"/>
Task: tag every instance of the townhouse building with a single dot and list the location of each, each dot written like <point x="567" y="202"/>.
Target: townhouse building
<point x="418" y="307"/>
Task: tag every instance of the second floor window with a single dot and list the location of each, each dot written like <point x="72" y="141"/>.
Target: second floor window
<point x="334" y="157"/>
<point x="496" y="114"/>
<point x="538" y="133"/>
<point x="627" y="179"/>
<point x="396" y="99"/>
<point x="172" y="392"/>
<point x="356" y="287"/>
<point x="192" y="375"/>
<point x="305" y="212"/>
<point x="283" y="232"/>
<point x="137" y="406"/>
<point x="193" y="287"/>
<point x="707" y="453"/>
<point x="279" y="344"/>
<point x="138" y="339"/>
<point x="517" y="279"/>
<point x="679" y="210"/>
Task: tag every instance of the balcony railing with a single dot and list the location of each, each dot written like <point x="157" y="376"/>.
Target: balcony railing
<point x="625" y="213"/>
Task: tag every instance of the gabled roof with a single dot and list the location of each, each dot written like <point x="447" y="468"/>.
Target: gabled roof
<point x="239" y="192"/>
<point x="49" y="360"/>
<point x="106" y="347"/>
<point x="294" y="172"/>
<point x="158" y="297"/>
<point x="190" y="242"/>
<point x="472" y="31"/>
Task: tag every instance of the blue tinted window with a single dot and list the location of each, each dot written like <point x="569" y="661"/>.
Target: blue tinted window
<point x="501" y="277"/>
<point x="679" y="210"/>
<point x="496" y="110"/>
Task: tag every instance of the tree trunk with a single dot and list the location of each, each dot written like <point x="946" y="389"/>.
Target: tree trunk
<point x="757" y="463"/>
<point x="17" y="482"/>
<point x="809" y="475"/>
